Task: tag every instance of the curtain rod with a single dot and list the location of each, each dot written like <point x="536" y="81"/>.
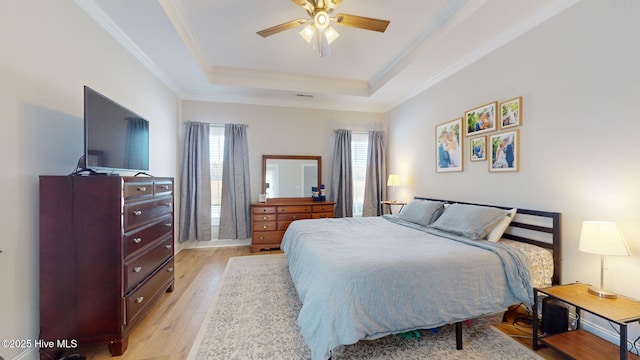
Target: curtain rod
<point x="212" y="124"/>
<point x="354" y="131"/>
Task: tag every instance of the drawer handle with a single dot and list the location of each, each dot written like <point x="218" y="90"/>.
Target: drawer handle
<point x="168" y="247"/>
<point x="170" y="270"/>
<point x="164" y="187"/>
<point x="142" y="188"/>
<point x="167" y="225"/>
<point x="137" y="269"/>
<point x="139" y="300"/>
<point x="261" y="238"/>
<point x="264" y="210"/>
<point x="293" y="217"/>
<point x="167" y="204"/>
<point x="137" y="240"/>
<point x="265" y="218"/>
<point x="265" y="227"/>
<point x="137" y="212"/>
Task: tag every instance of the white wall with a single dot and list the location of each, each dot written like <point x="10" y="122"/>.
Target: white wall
<point x="50" y="49"/>
<point x="579" y="79"/>
<point x="283" y="131"/>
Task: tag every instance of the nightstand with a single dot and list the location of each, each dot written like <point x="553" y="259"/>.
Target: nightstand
<point x="389" y="203"/>
<point x="578" y="343"/>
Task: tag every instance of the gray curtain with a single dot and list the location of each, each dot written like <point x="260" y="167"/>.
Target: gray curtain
<point x="195" y="184"/>
<point x="341" y="190"/>
<point x="235" y="215"/>
<point x="375" y="188"/>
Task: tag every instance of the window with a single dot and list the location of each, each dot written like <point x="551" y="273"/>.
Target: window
<point x="359" y="147"/>
<point x="216" y="157"/>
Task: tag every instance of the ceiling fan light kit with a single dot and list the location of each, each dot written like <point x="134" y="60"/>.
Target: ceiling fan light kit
<point x="318" y="30"/>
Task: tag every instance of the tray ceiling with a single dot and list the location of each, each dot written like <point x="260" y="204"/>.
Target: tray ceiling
<point x="209" y="49"/>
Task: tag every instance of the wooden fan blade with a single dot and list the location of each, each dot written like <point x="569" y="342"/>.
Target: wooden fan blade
<point x="282" y="27"/>
<point x="307" y="5"/>
<point x="362" y="22"/>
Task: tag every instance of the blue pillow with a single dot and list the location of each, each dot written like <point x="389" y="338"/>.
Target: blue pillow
<point x="421" y="212"/>
<point x="470" y="221"/>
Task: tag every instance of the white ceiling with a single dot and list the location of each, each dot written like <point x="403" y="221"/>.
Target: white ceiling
<point x="209" y="49"/>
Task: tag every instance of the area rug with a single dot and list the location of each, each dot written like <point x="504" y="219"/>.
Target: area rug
<point x="253" y="316"/>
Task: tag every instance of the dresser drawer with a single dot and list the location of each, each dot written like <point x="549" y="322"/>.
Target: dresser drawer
<point x="264" y="210"/>
<point x="322" y="208"/>
<point x="269" y="237"/>
<point x="322" y="215"/>
<point x="264" y="217"/>
<point x="140" y="299"/>
<point x="292" y="217"/>
<point x="136" y="214"/>
<point x="162" y="188"/>
<point x="137" y="189"/>
<point x="139" y="239"/>
<point x="284" y="225"/>
<point x="294" y="209"/>
<point x="265" y="226"/>
<point x="137" y="269"/>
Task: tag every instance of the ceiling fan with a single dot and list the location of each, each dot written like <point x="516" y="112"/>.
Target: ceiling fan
<point x="318" y="30"/>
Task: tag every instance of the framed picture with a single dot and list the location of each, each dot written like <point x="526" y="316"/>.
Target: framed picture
<point x="449" y="146"/>
<point x="478" y="148"/>
<point x="504" y="151"/>
<point x="481" y="119"/>
<point x="511" y="113"/>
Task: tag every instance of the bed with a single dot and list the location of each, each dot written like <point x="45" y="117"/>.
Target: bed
<point x="366" y="278"/>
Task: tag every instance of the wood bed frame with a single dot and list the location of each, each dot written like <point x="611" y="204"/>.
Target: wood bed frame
<point x="540" y="228"/>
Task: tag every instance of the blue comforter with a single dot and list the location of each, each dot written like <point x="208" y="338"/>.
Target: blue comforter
<point x="365" y="278"/>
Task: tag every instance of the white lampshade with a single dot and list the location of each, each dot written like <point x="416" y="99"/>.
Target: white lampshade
<point x="394" y="180"/>
<point x="602" y="238"/>
<point x="308" y="32"/>
<point x="331" y="34"/>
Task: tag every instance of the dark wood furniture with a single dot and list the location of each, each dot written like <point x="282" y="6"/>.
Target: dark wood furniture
<point x="106" y="255"/>
<point x="270" y="220"/>
<point x="580" y="344"/>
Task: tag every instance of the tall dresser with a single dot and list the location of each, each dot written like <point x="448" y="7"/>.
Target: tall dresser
<point x="106" y="255"/>
<point x="270" y="220"/>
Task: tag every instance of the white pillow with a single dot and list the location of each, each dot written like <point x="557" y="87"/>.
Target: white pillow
<point x="501" y="226"/>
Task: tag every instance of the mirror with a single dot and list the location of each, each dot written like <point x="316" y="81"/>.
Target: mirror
<point x="290" y="176"/>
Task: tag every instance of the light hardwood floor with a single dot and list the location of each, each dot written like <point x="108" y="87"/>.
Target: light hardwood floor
<point x="169" y="329"/>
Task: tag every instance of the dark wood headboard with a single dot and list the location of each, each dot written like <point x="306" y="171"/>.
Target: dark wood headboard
<point x="540" y="228"/>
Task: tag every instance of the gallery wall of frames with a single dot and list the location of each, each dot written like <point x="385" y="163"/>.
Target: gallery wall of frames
<point x="492" y="132"/>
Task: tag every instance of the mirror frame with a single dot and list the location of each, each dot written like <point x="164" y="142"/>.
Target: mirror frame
<point x="288" y="157"/>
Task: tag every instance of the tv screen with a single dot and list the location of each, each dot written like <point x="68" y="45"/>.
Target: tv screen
<point x="115" y="138"/>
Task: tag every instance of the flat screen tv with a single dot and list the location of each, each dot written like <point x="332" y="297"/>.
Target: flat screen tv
<point x="115" y="138"/>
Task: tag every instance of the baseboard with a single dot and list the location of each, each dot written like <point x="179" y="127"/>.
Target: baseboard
<point x="600" y="330"/>
<point x="213" y="244"/>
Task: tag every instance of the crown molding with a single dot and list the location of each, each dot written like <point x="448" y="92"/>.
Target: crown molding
<point x="403" y="57"/>
<point x="288" y="82"/>
<point x="282" y="102"/>
<point x="537" y="18"/>
<point x="181" y="26"/>
<point x="96" y="13"/>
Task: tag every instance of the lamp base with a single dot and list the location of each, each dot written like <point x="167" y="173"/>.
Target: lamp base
<point x="602" y="293"/>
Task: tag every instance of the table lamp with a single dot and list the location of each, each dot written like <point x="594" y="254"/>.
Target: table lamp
<point x="393" y="181"/>
<point x="602" y="238"/>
